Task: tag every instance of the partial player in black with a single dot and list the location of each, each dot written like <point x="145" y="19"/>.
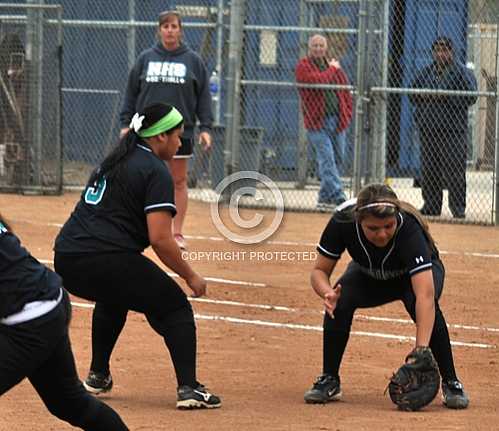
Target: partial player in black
<point x="127" y="205"/>
<point x="393" y="258"/>
<point x="34" y="341"/>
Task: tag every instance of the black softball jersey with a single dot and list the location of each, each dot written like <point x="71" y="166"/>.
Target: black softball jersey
<point x="27" y="288"/>
<point x="111" y="215"/>
<point x="407" y="253"/>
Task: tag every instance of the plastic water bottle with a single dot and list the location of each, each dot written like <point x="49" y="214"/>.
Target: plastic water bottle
<point x="214" y="85"/>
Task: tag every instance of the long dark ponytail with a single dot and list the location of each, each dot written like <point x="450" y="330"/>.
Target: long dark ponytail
<point x="113" y="164"/>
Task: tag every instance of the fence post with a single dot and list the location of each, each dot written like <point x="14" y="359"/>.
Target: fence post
<point x="370" y="78"/>
<point x="496" y="131"/>
<point x="219" y="54"/>
<point x="381" y="159"/>
<point x="131" y="34"/>
<point x="232" y="113"/>
<point x="359" y="99"/>
<point x="59" y="107"/>
<point x="34" y="56"/>
<point x="302" y="156"/>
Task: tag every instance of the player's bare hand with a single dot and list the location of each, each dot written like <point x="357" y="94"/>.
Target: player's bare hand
<point x="205" y="140"/>
<point x="331" y="299"/>
<point x="197" y="284"/>
<point x="334" y="63"/>
<point x="124" y="131"/>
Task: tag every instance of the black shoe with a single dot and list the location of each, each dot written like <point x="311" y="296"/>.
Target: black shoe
<point x="326" y="388"/>
<point x="98" y="383"/>
<point x="453" y="395"/>
<point x="459" y="215"/>
<point x="196" y="398"/>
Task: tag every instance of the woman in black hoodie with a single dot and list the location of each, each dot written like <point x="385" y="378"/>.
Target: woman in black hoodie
<point x="170" y="72"/>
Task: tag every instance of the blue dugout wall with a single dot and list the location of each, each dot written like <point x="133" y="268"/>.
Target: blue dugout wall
<point x="425" y="20"/>
<point x="96" y="67"/>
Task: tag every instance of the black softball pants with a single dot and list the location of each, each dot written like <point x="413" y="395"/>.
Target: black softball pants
<point x="41" y="351"/>
<point x="361" y="291"/>
<point x="119" y="282"/>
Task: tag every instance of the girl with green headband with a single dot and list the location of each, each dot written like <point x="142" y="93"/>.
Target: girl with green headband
<point x="171" y="71"/>
<point x="128" y="205"/>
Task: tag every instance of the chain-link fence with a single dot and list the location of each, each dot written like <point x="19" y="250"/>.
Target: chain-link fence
<point x="423" y="119"/>
<point x="284" y="107"/>
<point x="30" y="82"/>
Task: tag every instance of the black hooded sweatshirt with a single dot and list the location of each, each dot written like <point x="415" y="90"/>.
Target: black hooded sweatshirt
<point x="177" y="77"/>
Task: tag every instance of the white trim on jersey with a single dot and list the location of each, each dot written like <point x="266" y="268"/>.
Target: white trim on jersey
<point x="419" y="268"/>
<point x="149" y="207"/>
<point x="144" y="148"/>
<point x="346" y="204"/>
<point x="31" y="311"/>
<point x="335" y="255"/>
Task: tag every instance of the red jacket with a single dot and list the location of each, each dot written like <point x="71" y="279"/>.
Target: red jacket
<point x="313" y="100"/>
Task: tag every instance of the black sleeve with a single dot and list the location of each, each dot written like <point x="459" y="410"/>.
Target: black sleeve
<point x="204" y="109"/>
<point x="416" y="253"/>
<point x="332" y="243"/>
<point x="464" y="80"/>
<point x="160" y="192"/>
<point x="418" y="83"/>
<point x="131" y="94"/>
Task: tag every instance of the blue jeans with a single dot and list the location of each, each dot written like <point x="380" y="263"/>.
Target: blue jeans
<point x="328" y="143"/>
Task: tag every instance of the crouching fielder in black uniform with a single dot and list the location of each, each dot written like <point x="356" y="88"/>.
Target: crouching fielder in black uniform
<point x="393" y="258"/>
<point x="125" y="208"/>
<point x="34" y="341"/>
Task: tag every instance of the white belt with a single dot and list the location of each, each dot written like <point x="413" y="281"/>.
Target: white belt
<point x="31" y="311"/>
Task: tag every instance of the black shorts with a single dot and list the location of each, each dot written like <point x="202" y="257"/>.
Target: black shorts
<point x="185" y="150"/>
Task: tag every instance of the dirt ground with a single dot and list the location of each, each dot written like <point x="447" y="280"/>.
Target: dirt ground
<point x="259" y="339"/>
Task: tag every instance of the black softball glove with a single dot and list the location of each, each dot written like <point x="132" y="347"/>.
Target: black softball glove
<point x="416" y="383"/>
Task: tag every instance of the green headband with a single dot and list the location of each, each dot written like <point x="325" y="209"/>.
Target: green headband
<point x="168" y="122"/>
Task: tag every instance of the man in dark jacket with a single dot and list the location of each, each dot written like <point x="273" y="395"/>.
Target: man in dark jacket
<point x="442" y="121"/>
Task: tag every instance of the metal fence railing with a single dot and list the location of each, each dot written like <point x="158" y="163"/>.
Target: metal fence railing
<point x="30" y="100"/>
<point x="432" y="133"/>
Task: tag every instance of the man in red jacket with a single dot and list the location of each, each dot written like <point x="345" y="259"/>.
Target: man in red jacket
<point x="327" y="113"/>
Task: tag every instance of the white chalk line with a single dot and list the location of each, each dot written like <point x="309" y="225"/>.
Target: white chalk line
<point x="293" y="310"/>
<point x="356" y="317"/>
<point x="293" y="243"/>
<point x="213" y="279"/>
<point x="295" y="326"/>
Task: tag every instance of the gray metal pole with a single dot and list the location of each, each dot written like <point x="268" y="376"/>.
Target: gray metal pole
<point x="34" y="55"/>
<point x="232" y="113"/>
<point x="371" y="76"/>
<point x="131" y="35"/>
<point x="302" y="159"/>
<point x="219" y="52"/>
<point x="383" y="106"/>
<point x="58" y="106"/>
<point x="359" y="99"/>
<point x="496" y="132"/>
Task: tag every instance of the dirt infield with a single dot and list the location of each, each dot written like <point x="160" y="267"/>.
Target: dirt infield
<point x="260" y="340"/>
